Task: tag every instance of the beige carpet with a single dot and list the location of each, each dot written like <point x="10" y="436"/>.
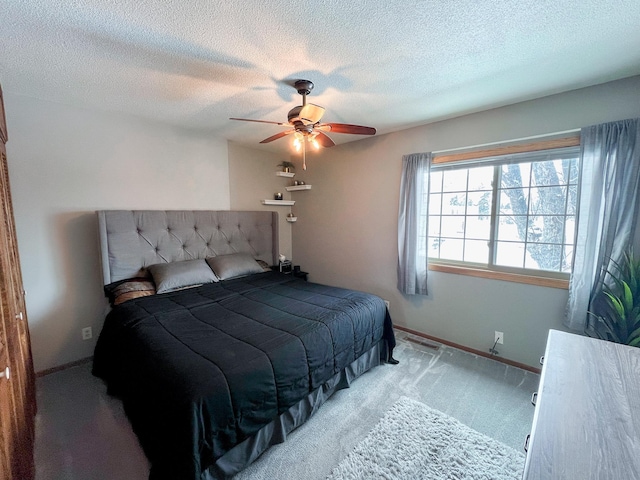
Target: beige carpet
<point x="415" y="442"/>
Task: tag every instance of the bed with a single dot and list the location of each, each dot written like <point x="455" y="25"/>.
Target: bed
<point x="212" y="375"/>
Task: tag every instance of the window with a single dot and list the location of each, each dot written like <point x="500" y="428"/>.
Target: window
<point x="514" y="213"/>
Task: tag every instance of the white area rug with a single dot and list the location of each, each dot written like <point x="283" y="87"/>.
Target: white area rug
<point x="415" y="442"/>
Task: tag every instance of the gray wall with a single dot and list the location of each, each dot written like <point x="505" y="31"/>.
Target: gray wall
<point x="252" y="176"/>
<point x="346" y="232"/>
<point x="65" y="163"/>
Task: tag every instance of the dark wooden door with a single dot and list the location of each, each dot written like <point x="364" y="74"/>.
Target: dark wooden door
<point x="17" y="379"/>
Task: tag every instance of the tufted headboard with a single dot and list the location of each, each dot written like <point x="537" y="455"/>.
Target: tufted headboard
<point x="131" y="240"/>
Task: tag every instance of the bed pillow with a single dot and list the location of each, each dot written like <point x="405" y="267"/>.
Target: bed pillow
<point x="265" y="266"/>
<point x="234" y="265"/>
<point x="129" y="289"/>
<point x="176" y="275"/>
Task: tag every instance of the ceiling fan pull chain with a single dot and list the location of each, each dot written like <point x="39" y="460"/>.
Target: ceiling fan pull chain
<point x="304" y="154"/>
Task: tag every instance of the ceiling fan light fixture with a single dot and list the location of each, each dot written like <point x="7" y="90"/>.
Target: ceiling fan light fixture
<point x="311" y="113"/>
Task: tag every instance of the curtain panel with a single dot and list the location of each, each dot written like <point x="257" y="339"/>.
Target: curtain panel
<point x="413" y="224"/>
<point x="608" y="210"/>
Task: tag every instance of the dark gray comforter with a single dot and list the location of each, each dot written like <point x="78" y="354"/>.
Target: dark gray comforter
<point x="202" y="369"/>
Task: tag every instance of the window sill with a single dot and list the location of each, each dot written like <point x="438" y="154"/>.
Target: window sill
<point x="506" y="276"/>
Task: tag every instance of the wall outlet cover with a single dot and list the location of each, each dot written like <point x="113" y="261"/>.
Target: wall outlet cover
<point x="87" y="333"/>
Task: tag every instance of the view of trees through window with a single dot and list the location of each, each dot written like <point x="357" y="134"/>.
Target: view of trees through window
<point x="526" y="222"/>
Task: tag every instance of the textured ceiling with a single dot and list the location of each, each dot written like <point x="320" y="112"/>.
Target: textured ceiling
<point x="387" y="64"/>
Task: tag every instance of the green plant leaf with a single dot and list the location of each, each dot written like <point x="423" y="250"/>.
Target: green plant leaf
<point x="617" y="303"/>
<point x="635" y="343"/>
<point x="627" y="297"/>
<point x="609" y="327"/>
<point x="634" y="336"/>
<point x="618" y="312"/>
<point x="633" y="319"/>
<point x="632" y="271"/>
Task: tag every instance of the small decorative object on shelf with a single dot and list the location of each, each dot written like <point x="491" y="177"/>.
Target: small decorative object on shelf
<point x="277" y="196"/>
<point x="291" y="218"/>
<point x="286" y="166"/>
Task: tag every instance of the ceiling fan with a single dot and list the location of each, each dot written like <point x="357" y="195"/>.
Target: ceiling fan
<point x="304" y="124"/>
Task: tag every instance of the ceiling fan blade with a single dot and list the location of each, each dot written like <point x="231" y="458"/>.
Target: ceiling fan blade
<point x="277" y="136"/>
<point x="261" y="121"/>
<point x="324" y="140"/>
<point x="347" y="128"/>
<point x="311" y="113"/>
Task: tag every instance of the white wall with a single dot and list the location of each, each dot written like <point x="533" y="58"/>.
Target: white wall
<point x="64" y="164"/>
<point x="252" y="175"/>
<point x="346" y="232"/>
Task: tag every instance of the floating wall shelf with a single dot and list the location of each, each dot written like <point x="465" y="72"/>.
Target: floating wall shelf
<point x="295" y="188"/>
<point x="283" y="203"/>
<point x="286" y="174"/>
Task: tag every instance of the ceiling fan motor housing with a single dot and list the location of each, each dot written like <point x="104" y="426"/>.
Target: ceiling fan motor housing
<point x="294" y="115"/>
<point x="303" y="87"/>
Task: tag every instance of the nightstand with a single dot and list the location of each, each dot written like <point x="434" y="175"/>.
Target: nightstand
<point x="301" y="274"/>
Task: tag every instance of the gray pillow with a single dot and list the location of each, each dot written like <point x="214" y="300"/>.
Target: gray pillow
<point x="234" y="265"/>
<point x="176" y="275"/>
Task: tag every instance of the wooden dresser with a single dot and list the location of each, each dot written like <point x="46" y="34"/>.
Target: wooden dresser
<point x="587" y="418"/>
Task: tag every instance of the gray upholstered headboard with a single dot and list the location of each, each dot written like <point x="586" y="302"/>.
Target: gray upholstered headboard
<point x="131" y="240"/>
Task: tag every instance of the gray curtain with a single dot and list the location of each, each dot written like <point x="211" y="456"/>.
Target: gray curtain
<point x="608" y="209"/>
<point x="413" y="224"/>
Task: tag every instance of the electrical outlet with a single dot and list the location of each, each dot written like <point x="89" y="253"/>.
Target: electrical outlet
<point x="87" y="333"/>
<point x="386" y="302"/>
<point x="499" y="337"/>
